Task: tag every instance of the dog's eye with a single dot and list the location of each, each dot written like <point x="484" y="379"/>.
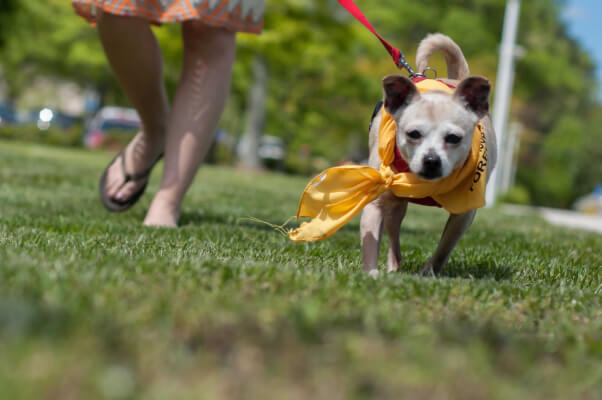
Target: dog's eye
<point x="453" y="139"/>
<point x="414" y="134"/>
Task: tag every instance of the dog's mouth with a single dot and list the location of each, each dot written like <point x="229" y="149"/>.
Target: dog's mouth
<point x="430" y="174"/>
<point x="432" y="177"/>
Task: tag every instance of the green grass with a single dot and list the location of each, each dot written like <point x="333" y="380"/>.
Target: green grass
<point x="93" y="305"/>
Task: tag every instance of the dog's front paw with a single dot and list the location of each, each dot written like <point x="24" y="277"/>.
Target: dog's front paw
<point x="428" y="270"/>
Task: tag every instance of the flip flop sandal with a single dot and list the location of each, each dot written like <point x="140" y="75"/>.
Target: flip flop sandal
<point x="119" y="206"/>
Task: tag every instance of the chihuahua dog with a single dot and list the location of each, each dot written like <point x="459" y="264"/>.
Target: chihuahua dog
<point x="434" y="135"/>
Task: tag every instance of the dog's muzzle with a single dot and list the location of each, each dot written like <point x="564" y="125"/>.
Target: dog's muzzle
<point x="431" y="166"/>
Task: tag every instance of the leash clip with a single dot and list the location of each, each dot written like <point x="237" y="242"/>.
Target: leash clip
<point x="429" y="69"/>
<point x="402" y="63"/>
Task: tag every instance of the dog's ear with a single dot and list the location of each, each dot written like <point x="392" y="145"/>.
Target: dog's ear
<point x="473" y="92"/>
<point x="399" y="91"/>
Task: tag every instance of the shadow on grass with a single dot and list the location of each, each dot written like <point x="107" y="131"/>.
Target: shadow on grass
<point x="200" y="218"/>
<point x="468" y="271"/>
<point x="478" y="271"/>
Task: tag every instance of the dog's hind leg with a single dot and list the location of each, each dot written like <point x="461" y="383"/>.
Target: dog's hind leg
<point x="394" y="213"/>
<point x="371" y="230"/>
<point x="455" y="227"/>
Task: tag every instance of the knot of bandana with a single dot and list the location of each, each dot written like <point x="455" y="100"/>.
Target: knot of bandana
<point x="388" y="175"/>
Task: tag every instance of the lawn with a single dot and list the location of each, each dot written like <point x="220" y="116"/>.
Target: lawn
<point x="93" y="305"/>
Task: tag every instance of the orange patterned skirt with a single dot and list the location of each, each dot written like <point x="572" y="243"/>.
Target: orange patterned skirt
<point x="234" y="15"/>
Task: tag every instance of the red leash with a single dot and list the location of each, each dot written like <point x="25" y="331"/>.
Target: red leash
<point x="397" y="55"/>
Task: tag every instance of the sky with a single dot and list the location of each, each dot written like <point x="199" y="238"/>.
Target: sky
<point x="584" y="20"/>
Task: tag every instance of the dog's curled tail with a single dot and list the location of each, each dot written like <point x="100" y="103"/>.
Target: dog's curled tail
<point x="457" y="67"/>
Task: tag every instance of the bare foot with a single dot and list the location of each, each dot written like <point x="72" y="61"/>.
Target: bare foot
<point x="163" y="212"/>
<point x="139" y="155"/>
<point x="374" y="273"/>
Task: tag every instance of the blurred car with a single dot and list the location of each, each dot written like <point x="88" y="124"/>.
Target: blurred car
<point x="7" y="115"/>
<point x="271" y="152"/>
<point x="111" y="119"/>
<point x="590" y="203"/>
<point x="45" y="118"/>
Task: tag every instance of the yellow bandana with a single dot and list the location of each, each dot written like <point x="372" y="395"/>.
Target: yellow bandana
<point x="337" y="194"/>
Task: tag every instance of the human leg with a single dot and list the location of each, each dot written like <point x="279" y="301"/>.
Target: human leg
<point x="135" y="58"/>
<point x="198" y="104"/>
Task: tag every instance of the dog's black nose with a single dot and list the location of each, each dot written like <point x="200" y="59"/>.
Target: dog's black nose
<point x="431" y="166"/>
<point x="431" y="161"/>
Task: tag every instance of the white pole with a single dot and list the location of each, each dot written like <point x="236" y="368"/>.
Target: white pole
<point x="506" y="177"/>
<point x="503" y="93"/>
<point x="515" y="154"/>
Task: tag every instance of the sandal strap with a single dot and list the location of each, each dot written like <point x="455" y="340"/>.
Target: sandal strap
<point x="139" y="176"/>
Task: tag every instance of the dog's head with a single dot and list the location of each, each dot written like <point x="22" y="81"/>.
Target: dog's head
<point x="434" y="129"/>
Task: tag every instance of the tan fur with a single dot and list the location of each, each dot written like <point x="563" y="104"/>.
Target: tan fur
<point x="457" y="67"/>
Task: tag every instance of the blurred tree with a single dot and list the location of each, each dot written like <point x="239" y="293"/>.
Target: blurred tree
<point x="46" y="39"/>
<point x="324" y="72"/>
<point x="315" y="89"/>
<point x="554" y="184"/>
<point x="7" y="9"/>
<point x="248" y="149"/>
<point x="589" y="156"/>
